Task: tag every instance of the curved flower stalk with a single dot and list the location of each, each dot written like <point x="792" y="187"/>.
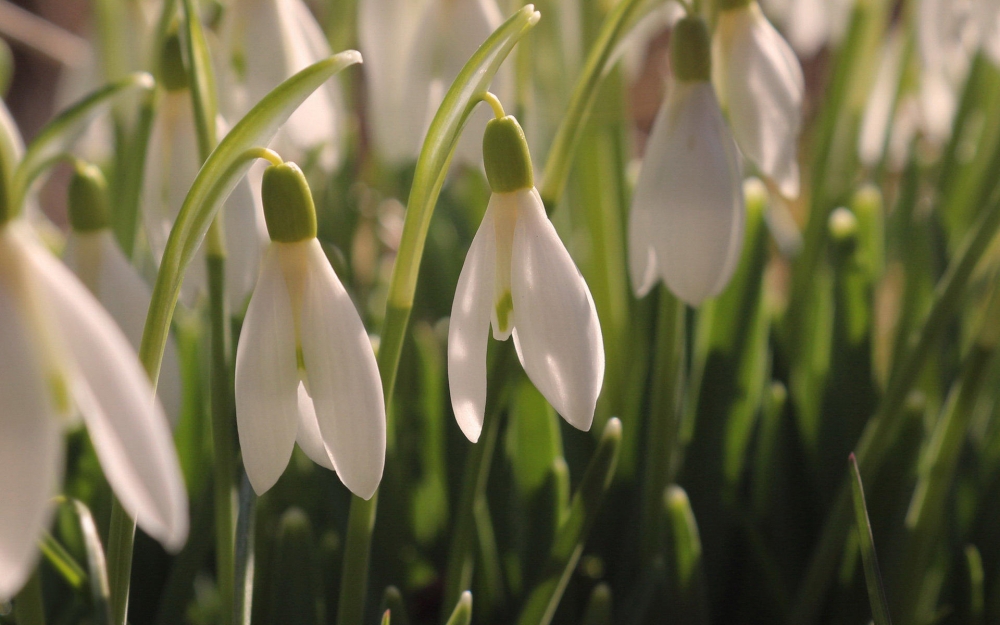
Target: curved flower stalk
<point x="93" y="254"/>
<point x="413" y="52"/>
<point x="949" y="33"/>
<point x="519" y="279"/>
<point x="172" y="165"/>
<point x="63" y="354"/>
<point x="305" y="369"/>
<point x="759" y="82"/>
<point x="268" y="41"/>
<point x="687" y="218"/>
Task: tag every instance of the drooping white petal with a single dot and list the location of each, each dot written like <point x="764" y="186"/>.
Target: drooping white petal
<point x="309" y="437"/>
<point x="691" y="184"/>
<point x="126" y="423"/>
<point x="643" y="270"/>
<point x="555" y="321"/>
<point x="398" y="73"/>
<point x="759" y="80"/>
<point x="342" y="374"/>
<point x="267" y="377"/>
<point x="468" y="331"/>
<point x="97" y="260"/>
<point x="30" y="449"/>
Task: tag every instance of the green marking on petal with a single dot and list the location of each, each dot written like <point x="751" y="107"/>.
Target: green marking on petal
<point x="504" y="307"/>
<point x="60" y="393"/>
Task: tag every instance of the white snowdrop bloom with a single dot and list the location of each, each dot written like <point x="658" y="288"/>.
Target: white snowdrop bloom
<point x="949" y="33"/>
<point x="413" y="52"/>
<point x="814" y="24"/>
<point x="63" y="354"/>
<point x="519" y="278"/>
<point x="172" y="164"/>
<point x="268" y="42"/>
<point x="759" y="82"/>
<point x="687" y="219"/>
<point x="93" y="254"/>
<point x="305" y="369"/>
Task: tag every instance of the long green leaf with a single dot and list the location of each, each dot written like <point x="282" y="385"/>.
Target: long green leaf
<point x="463" y="610"/>
<point x="61" y="132"/>
<point x="544" y="598"/>
<point x="100" y="590"/>
<point x="876" y="593"/>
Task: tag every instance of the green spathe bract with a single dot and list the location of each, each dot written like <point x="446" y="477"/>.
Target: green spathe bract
<point x="506" y="156"/>
<point x="288" y="204"/>
<point x="87" y="202"/>
<point x="691" y="50"/>
<point x="173" y="76"/>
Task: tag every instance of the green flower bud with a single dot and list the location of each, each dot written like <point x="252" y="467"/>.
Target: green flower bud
<point x="288" y="204"/>
<point x="506" y="156"/>
<point x="727" y="5"/>
<point x="88" y="199"/>
<point x="691" y="50"/>
<point x="173" y="75"/>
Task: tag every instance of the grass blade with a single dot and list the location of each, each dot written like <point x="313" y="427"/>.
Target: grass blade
<point x="876" y="593"/>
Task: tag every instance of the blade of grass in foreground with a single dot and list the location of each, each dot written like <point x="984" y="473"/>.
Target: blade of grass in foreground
<point x="876" y="593"/>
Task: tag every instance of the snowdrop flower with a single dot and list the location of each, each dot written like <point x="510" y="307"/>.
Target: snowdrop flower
<point x="519" y="278"/>
<point x="413" y="52"/>
<point x="759" y="81"/>
<point x="268" y="42"/>
<point x="305" y="369"/>
<point x="63" y="353"/>
<point x="92" y="254"/>
<point x="171" y="167"/>
<point x="812" y="24"/>
<point x="687" y="218"/>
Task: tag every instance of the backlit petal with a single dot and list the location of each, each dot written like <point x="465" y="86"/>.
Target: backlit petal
<point x="267" y="378"/>
<point x="554" y="317"/>
<point x="468" y="331"/>
<point x="691" y="184"/>
<point x="30" y="449"/>
<point x="309" y="437"/>
<point x="127" y="425"/>
<point x="342" y="375"/>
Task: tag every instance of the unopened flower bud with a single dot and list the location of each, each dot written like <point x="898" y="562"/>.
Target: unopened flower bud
<point x="288" y="204"/>
<point x="88" y="199"/>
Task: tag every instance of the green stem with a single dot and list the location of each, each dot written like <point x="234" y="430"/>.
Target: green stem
<point x="222" y="422"/>
<point x="664" y="420"/>
<point x="357" y="553"/>
<point x="121" y="536"/>
<point x="560" y="159"/>
<point x="29" y="607"/>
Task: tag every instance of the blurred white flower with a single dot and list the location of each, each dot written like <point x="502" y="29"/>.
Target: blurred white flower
<point x="62" y="352"/>
<point x="811" y="24"/>
<point x="305" y="369"/>
<point x="268" y="41"/>
<point x="92" y="253"/>
<point x="413" y="52"/>
<point x="172" y="163"/>
<point x="519" y="278"/>
<point x="759" y="82"/>
<point x="687" y="218"/>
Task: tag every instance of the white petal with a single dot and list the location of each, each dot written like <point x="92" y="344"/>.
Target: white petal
<point x="126" y="424"/>
<point x="343" y="376"/>
<point x="468" y="331"/>
<point x="30" y="449"/>
<point x="267" y="378"/>
<point x="881" y="102"/>
<point x="808" y="26"/>
<point x="760" y="81"/>
<point x="555" y="320"/>
<point x="641" y="252"/>
<point x="692" y="186"/>
<point x="309" y="437"/>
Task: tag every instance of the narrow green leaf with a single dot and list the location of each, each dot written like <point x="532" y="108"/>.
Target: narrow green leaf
<point x="216" y="179"/>
<point x="29" y="604"/>
<point x="62" y="561"/>
<point x="392" y="602"/>
<point x="100" y="590"/>
<point x="545" y="597"/>
<point x="202" y="80"/>
<point x="533" y="440"/>
<point x="295" y="579"/>
<point x="876" y="593"/>
<point x="462" y="615"/>
<point x="385" y="618"/>
<point x="686" y="588"/>
<point x="976" y="577"/>
<point x="61" y="132"/>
